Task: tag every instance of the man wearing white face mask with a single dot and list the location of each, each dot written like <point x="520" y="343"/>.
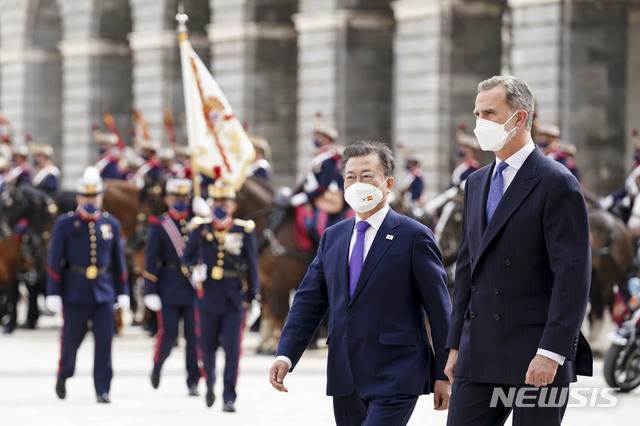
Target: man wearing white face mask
<point x="523" y="273"/>
<point x="377" y="275"/>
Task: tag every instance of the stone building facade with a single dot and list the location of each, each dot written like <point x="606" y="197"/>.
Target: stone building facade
<point x="403" y="70"/>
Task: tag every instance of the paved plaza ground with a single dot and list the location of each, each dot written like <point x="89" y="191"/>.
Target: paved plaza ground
<point x="28" y="362"/>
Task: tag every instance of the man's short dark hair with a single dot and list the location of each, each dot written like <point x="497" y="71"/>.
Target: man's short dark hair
<point x="363" y="148"/>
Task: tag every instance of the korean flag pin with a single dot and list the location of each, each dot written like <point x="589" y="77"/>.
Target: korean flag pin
<point x="389" y="237"/>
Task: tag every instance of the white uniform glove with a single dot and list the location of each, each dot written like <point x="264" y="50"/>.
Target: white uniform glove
<point x="299" y="199"/>
<point x="199" y="273"/>
<point x="153" y="302"/>
<point x="200" y="207"/>
<point x="253" y="313"/>
<point x="123" y="301"/>
<point x="53" y="303"/>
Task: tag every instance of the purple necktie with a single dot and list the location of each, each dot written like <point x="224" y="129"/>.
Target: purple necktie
<point x="495" y="190"/>
<point x="357" y="256"/>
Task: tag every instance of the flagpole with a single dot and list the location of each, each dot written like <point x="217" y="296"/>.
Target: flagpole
<point x="184" y="44"/>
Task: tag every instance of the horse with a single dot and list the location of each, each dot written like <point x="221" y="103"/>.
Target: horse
<point x="10" y="260"/>
<point x="281" y="264"/>
<point x="33" y="211"/>
<point x="611" y="264"/>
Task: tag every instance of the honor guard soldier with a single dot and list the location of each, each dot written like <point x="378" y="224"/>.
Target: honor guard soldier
<point x="86" y="276"/>
<point x="222" y="256"/>
<point x="150" y="172"/>
<point x="19" y="171"/>
<point x="107" y="163"/>
<point x="322" y="186"/>
<point x="168" y="290"/>
<point x="469" y="158"/>
<point x="261" y="166"/>
<point x="413" y="182"/>
<point x="47" y="175"/>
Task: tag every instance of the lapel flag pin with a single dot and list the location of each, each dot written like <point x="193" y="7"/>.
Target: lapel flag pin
<point x="389" y="237"/>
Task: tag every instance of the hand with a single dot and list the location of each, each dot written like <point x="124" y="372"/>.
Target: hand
<point x="450" y="367"/>
<point x="200" y="207"/>
<point x="153" y="302"/>
<point x="123" y="301"/>
<point x="53" y="303"/>
<point x="298" y="199"/>
<point x="441" y="395"/>
<point x="199" y="273"/>
<point x="541" y="372"/>
<point x="278" y="370"/>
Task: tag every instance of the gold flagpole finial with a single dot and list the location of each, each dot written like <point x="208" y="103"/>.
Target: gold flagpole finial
<point x="182" y="19"/>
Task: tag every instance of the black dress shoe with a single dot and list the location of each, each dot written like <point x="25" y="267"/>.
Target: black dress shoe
<point x="193" y="390"/>
<point x="229" y="407"/>
<point x="209" y="398"/>
<point x="103" y="398"/>
<point x="61" y="388"/>
<point x="155" y="379"/>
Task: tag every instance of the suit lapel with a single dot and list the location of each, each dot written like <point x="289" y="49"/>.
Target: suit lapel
<point x="523" y="183"/>
<point x="381" y="243"/>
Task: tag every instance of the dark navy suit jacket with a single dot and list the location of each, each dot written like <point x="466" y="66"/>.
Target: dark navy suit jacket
<point x="522" y="282"/>
<point x="378" y="340"/>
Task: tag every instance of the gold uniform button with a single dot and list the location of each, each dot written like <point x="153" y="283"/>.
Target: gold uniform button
<point x="220" y="255"/>
<point x="93" y="238"/>
<point x="209" y="237"/>
<point x="220" y="262"/>
<point x="185" y="238"/>
<point x="94" y="260"/>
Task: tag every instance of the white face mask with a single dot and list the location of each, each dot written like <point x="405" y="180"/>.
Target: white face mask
<point x="492" y="136"/>
<point x="363" y="197"/>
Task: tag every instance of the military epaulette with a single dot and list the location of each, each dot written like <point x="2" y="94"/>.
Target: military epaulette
<point x="248" y="225"/>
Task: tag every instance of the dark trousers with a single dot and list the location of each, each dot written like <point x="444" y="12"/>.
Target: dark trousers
<point x="470" y="404"/>
<point x="168" y="324"/>
<point x="373" y="411"/>
<point x="225" y="329"/>
<point x="76" y="319"/>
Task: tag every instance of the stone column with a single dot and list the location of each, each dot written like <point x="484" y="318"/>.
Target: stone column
<point x="345" y="66"/>
<point x="31" y="72"/>
<point x="574" y="55"/>
<point x="94" y="80"/>
<point x="253" y="50"/>
<point x="441" y="52"/>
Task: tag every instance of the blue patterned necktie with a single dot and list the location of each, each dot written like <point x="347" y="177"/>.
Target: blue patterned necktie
<point x="495" y="190"/>
<point x="357" y="256"/>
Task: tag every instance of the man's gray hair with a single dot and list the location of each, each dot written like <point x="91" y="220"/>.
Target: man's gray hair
<point x="363" y="148"/>
<point x="517" y="94"/>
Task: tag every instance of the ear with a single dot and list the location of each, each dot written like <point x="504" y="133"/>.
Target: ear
<point x="521" y="118"/>
<point x="390" y="183"/>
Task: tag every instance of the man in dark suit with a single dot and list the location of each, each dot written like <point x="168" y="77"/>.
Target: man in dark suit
<point x="523" y="273"/>
<point x="377" y="274"/>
